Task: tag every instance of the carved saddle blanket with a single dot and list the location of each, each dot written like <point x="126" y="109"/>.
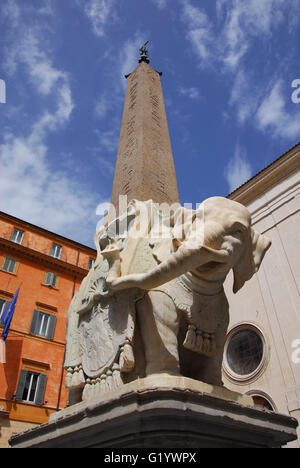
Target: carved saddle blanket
<point x="203" y="313"/>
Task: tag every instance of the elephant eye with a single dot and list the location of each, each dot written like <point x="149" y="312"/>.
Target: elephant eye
<point x="238" y="233"/>
<point x="238" y="229"/>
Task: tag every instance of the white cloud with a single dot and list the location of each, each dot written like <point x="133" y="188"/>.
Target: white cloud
<point x="272" y="115"/>
<point x="245" y="95"/>
<point x="40" y="69"/>
<point x="238" y="169"/>
<point x="241" y="22"/>
<point x="99" y="12"/>
<point x="106" y="148"/>
<point x="199" y="31"/>
<point x="11" y="12"/>
<point x="47" y="80"/>
<point x="129" y="55"/>
<point x="102" y="106"/>
<point x="192" y="92"/>
<point x="106" y="166"/>
<point x="161" y="4"/>
<point x="108" y="139"/>
<point x="227" y="40"/>
<point x="33" y="190"/>
<point x="32" y="187"/>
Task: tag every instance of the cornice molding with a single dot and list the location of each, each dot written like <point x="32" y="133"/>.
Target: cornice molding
<point x="279" y="170"/>
<point x="25" y="252"/>
<point x="49" y="234"/>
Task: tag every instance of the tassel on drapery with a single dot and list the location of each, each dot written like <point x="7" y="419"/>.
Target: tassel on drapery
<point x="200" y="341"/>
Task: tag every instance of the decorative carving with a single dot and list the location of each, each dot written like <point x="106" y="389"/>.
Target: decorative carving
<point x="154" y="300"/>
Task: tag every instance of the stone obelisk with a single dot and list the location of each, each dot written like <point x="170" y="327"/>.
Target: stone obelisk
<point x="144" y="167"/>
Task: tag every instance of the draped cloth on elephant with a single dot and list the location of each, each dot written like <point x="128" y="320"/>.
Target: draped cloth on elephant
<point x="99" y="338"/>
<point x="100" y="332"/>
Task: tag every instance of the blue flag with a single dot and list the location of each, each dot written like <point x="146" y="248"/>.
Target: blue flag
<point x="6" y="319"/>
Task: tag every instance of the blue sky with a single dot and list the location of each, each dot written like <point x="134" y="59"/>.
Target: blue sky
<point x="228" y="68"/>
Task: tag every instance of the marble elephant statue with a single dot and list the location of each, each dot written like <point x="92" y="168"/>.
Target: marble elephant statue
<point x="185" y="309"/>
<point x="160" y="289"/>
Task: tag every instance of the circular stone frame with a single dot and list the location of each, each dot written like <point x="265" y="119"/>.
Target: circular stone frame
<point x="243" y="379"/>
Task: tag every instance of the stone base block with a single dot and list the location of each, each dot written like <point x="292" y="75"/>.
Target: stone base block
<point x="162" y="411"/>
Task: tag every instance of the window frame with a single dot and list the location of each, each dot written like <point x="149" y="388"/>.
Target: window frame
<point x="91" y="263"/>
<point x="15" y="229"/>
<point x="229" y="372"/>
<point x="35" y="325"/>
<point x="5" y="302"/>
<point x="43" y="325"/>
<point x="39" y="393"/>
<point x="50" y="283"/>
<point x="55" y="247"/>
<point x="15" y="265"/>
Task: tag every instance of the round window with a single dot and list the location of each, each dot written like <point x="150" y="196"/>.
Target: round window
<point x="244" y="352"/>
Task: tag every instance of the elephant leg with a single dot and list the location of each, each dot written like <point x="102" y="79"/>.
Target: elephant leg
<point x="212" y="366"/>
<point x="159" y="323"/>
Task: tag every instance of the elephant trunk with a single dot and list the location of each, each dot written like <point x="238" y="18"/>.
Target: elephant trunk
<point x="185" y="259"/>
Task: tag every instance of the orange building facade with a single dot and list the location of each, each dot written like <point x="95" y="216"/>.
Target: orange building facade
<point x="49" y="269"/>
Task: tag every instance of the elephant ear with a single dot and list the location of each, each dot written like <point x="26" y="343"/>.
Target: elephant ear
<point x="249" y="262"/>
<point x="178" y="228"/>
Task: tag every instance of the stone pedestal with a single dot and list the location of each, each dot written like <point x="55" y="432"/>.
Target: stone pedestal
<point x="162" y="412"/>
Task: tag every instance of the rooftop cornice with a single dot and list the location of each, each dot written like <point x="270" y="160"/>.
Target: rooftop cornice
<point x="268" y="177"/>
<point x="49" y="234"/>
<point x="30" y="254"/>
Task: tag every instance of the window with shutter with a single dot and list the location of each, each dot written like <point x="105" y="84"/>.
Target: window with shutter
<point x="42" y="324"/>
<point x="9" y="265"/>
<point x="51" y="327"/>
<point x="3" y="304"/>
<point x="56" y="250"/>
<point x="21" y="385"/>
<point x="41" y="387"/>
<point x="31" y="387"/>
<point x="17" y="236"/>
<point x="51" y="279"/>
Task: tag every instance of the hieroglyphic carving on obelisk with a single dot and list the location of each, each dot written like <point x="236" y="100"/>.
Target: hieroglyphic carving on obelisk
<point x="144" y="167"/>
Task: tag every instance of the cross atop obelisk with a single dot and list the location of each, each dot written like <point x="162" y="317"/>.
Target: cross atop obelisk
<point x="144" y="53"/>
<point x="144" y="168"/>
